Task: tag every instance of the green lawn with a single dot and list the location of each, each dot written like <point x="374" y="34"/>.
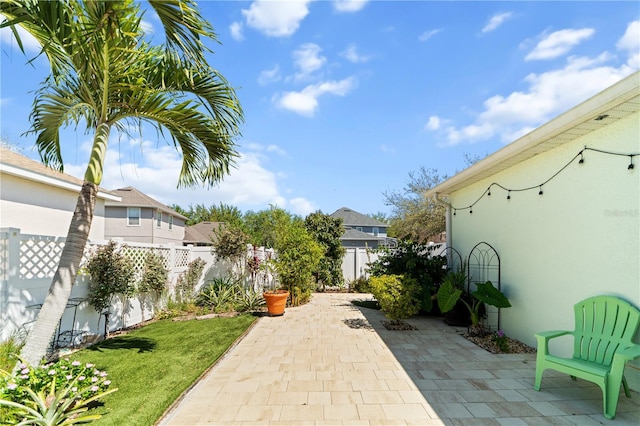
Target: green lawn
<point x="153" y="365"/>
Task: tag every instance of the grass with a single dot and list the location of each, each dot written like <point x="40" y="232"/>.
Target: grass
<point x="153" y="365"/>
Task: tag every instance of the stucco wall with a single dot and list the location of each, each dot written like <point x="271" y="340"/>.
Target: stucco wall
<point x="580" y="238"/>
<point x="37" y="208"/>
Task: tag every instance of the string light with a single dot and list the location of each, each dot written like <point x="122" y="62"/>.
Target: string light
<point x="539" y="186"/>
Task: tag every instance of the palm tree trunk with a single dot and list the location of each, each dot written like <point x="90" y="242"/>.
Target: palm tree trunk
<point x="35" y="347"/>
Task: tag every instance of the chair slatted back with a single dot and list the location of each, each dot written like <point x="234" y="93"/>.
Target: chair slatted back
<point x="603" y="324"/>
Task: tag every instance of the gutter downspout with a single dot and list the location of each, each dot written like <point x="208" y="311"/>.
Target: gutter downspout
<point x="448" y="228"/>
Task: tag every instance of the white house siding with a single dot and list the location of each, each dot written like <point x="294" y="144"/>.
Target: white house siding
<point x="580" y="238"/>
<point x="38" y="208"/>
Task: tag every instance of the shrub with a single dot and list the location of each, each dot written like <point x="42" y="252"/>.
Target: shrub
<point x="413" y="260"/>
<point x="187" y="281"/>
<point x="360" y="285"/>
<point x="155" y="275"/>
<point x="57" y="393"/>
<point x="111" y="273"/>
<point x="396" y="296"/>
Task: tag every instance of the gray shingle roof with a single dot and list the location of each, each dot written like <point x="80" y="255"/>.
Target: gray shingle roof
<point x="200" y="233"/>
<point x="131" y="197"/>
<point x="353" y="218"/>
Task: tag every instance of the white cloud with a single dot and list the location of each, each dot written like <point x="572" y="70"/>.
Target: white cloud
<point x="630" y="42"/>
<point x="301" y="206"/>
<point x="349" y="5"/>
<point x="428" y="34"/>
<point x="147" y="27"/>
<point x="558" y="43"/>
<point x="433" y="123"/>
<point x="352" y="55"/>
<point x="236" y="31"/>
<point x="307" y="59"/>
<point x="269" y="76"/>
<point x="29" y="43"/>
<point x="155" y="171"/>
<point x="276" y="18"/>
<point x="496" y="21"/>
<point x="305" y="102"/>
<point x="548" y="94"/>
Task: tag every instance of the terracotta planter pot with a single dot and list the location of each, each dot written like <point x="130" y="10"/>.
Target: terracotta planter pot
<point x="276" y="301"/>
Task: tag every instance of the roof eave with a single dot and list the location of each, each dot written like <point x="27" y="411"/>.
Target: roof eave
<point x="549" y="135"/>
<point x="49" y="180"/>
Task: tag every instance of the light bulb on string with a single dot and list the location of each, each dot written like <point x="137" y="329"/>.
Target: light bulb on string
<point x="631" y="163"/>
<point x="540" y="192"/>
<point x="509" y="195"/>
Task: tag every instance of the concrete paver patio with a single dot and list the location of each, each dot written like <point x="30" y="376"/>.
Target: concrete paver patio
<point x="332" y="363"/>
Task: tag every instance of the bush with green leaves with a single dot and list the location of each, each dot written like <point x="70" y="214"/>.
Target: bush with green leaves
<point x="154" y="276"/>
<point x="360" y="285"/>
<point x="52" y="394"/>
<point x="187" y="281"/>
<point x="396" y="295"/>
<point x="111" y="272"/>
<point x="298" y="256"/>
<point x="413" y="260"/>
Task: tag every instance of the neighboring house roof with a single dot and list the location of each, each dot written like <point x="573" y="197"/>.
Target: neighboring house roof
<point x="613" y="103"/>
<point x="354" y="234"/>
<point x="201" y="233"/>
<point x="352" y="218"/>
<point x="17" y="164"/>
<point x="131" y="197"/>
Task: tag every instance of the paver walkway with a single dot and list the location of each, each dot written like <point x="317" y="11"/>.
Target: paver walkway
<point x="331" y="363"/>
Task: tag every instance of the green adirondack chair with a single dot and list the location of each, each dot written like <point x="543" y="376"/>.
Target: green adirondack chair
<point x="604" y="327"/>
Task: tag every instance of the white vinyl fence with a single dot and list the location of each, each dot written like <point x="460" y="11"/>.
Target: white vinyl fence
<point x="27" y="265"/>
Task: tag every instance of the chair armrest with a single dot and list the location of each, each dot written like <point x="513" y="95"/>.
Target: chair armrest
<point x="628" y="353"/>
<point x="544" y="337"/>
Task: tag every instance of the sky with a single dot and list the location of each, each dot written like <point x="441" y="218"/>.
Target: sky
<point x="344" y="99"/>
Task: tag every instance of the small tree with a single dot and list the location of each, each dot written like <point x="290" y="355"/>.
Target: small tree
<point x="298" y="255"/>
<point x="396" y="296"/>
<point x="327" y="232"/>
<point x="111" y="272"/>
<point x="231" y="245"/>
<point x="154" y="277"/>
<point x="186" y="284"/>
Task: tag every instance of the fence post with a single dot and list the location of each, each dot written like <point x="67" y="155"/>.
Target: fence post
<point x="9" y="274"/>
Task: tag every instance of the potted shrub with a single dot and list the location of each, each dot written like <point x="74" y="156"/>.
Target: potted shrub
<point x="297" y="257"/>
<point x="486" y="293"/>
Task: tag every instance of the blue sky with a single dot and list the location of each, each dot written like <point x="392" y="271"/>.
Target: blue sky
<point x="343" y="99"/>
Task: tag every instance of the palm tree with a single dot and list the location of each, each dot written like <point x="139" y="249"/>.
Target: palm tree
<point x="105" y="75"/>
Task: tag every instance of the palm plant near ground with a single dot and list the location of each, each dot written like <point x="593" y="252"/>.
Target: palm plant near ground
<point x="104" y="75"/>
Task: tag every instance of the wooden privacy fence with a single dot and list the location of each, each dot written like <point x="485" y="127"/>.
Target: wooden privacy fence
<point x="28" y="263"/>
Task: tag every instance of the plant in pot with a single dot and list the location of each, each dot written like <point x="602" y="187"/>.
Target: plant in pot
<point x="485" y="293"/>
<point x="297" y="257"/>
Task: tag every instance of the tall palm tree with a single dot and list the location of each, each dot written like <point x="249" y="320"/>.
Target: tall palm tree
<point x="105" y="75"/>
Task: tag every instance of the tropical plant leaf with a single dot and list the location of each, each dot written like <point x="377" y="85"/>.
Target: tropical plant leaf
<point x="490" y="295"/>
<point x="448" y="296"/>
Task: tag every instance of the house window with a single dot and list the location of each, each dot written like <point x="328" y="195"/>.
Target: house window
<point x="158" y="219"/>
<point x="376" y="231"/>
<point x="359" y="228"/>
<point x="170" y="222"/>
<point x="133" y="216"/>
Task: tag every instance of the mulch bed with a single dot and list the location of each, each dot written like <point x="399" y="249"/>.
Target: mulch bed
<point x="485" y="341"/>
<point x="398" y="325"/>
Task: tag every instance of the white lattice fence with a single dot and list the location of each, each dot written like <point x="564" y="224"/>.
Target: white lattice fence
<point x="39" y="256"/>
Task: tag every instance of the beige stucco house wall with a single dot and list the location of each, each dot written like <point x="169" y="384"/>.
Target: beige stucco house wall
<point x="39" y="200"/>
<point x="581" y="236"/>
